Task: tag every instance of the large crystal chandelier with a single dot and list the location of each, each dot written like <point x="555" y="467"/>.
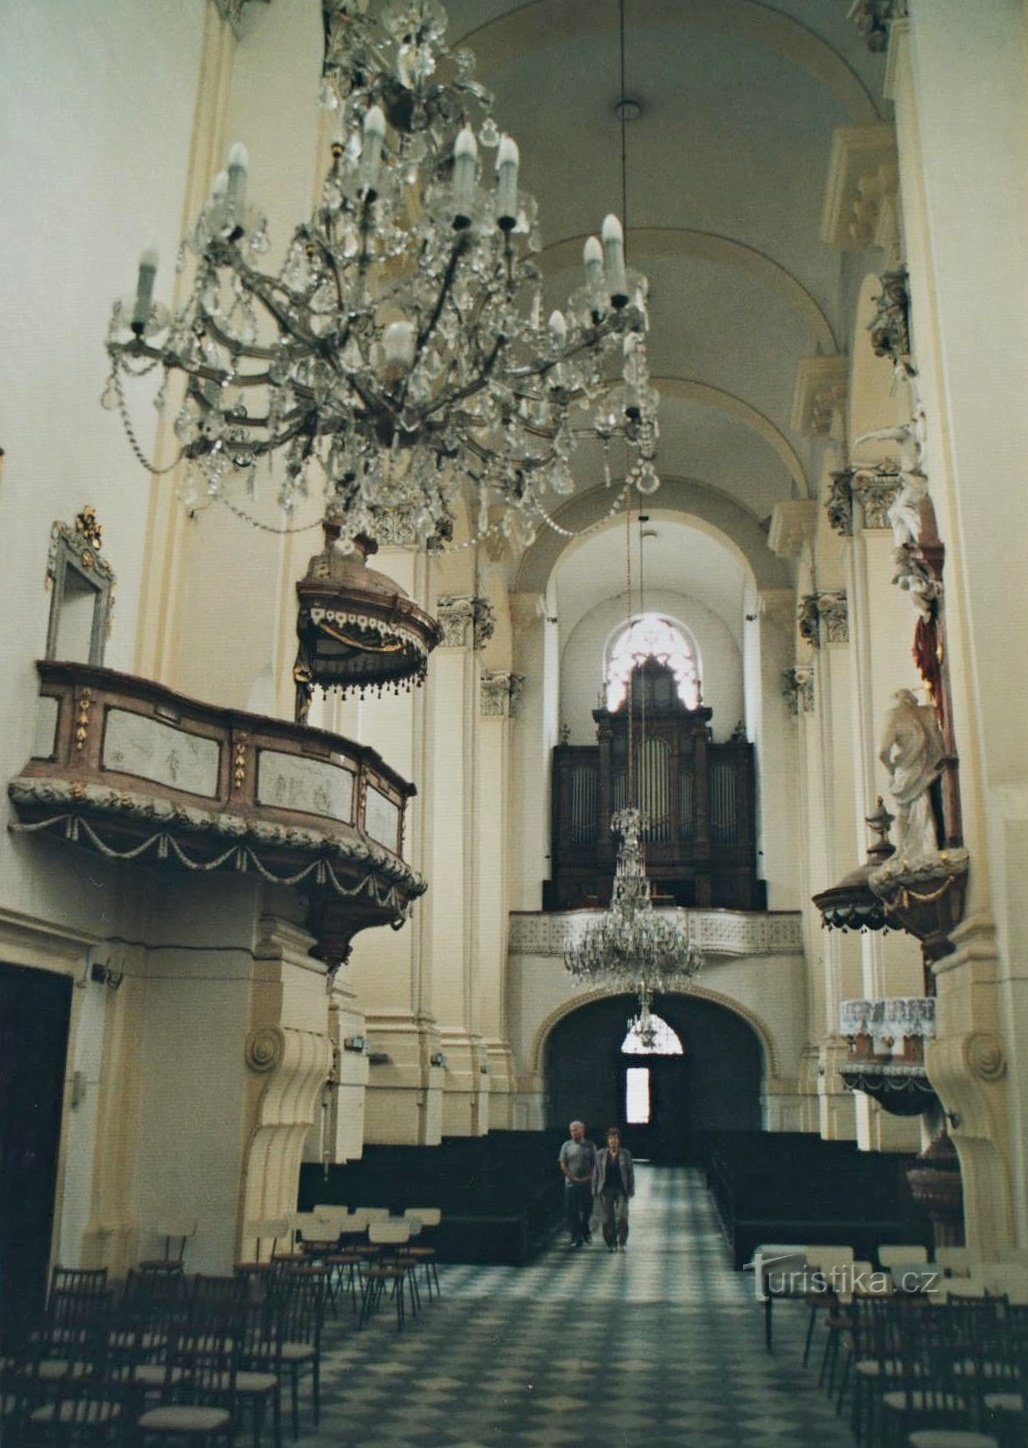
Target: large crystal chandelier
<point x="632" y="946"/>
<point x="398" y="363"/>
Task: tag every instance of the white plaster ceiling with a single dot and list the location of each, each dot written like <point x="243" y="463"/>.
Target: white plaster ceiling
<point x="726" y="177"/>
<point x="669" y="555"/>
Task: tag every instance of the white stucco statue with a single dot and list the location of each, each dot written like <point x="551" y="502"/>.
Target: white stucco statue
<point x="912" y="751"/>
<point x="905" y="513"/>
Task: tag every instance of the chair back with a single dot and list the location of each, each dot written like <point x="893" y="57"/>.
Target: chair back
<point x="265" y="1229"/>
<point x="295" y="1305"/>
<point x="389" y="1233"/>
<point x="83" y="1280"/>
<point x="371" y="1214"/>
<point x="904" y="1254"/>
<point x="427" y="1216"/>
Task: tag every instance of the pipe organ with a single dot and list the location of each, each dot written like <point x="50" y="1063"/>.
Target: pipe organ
<point x="698" y="800"/>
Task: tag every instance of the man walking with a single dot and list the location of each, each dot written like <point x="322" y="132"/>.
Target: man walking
<point x="577" y="1161"/>
<point x="614" y="1184"/>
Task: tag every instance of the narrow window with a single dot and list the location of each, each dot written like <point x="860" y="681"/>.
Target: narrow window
<point x="637" y="1095"/>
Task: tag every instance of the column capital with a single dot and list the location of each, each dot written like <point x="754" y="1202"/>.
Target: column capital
<point x="873" y="18"/>
<point x="876" y="489"/>
<point x="799" y="689"/>
<point x="828" y="608"/>
<point x="839" y="503"/>
<point x="500" y="693"/>
<point x="465" y="618"/>
<point x="889" y="328"/>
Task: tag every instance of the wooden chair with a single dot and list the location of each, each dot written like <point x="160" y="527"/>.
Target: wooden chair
<point x="263" y="1230"/>
<point x="176" y="1234"/>
<point x="198" y="1397"/>
<point x="285" y="1333"/>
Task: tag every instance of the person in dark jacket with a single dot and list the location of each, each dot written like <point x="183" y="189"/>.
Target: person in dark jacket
<point x="614" y="1186"/>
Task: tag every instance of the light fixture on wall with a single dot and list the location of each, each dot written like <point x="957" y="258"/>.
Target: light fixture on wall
<point x="354" y="1043"/>
<point x="398" y="361"/>
<point x="437" y="1058"/>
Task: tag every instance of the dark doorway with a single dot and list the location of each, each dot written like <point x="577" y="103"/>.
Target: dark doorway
<point x="713" y="1086"/>
<point x="35" y="1006"/>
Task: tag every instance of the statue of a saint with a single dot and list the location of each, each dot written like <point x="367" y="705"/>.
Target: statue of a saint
<point x="912" y="751"/>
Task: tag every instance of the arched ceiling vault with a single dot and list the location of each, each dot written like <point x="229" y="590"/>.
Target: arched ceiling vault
<point x="689" y="389"/>
<point x="542" y="23"/>
<point x="651" y="242"/>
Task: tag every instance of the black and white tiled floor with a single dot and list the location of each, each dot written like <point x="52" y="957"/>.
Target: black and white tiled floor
<point x="659" y="1345"/>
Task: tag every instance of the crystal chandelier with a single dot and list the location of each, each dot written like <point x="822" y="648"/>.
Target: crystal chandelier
<point x="631" y="946"/>
<point x="398" y="364"/>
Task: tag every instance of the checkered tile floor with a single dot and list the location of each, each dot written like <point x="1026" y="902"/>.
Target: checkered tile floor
<point x="659" y="1345"/>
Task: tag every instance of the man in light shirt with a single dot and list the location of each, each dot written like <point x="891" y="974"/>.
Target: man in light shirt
<point x="577" y="1161"/>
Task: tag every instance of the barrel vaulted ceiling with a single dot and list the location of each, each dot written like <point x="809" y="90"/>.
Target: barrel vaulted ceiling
<point x="727" y="165"/>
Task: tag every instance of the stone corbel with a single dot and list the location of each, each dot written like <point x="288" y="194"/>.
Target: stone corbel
<point x="792" y="524"/>
<point x="500" y="693"/>
<point x="799" y="689"/>
<point x="465" y="618"/>
<point x="291" y="1067"/>
<point x="860" y="201"/>
<point x="819" y="393"/>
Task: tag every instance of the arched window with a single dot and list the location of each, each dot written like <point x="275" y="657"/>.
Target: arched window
<point x="664" y="1042"/>
<point x="651" y="637"/>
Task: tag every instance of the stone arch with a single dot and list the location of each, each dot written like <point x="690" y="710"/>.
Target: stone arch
<point x="710" y="509"/>
<point x="598" y="993"/>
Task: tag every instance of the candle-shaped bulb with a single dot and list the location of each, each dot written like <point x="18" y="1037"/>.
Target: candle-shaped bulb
<point x="507" y="184"/>
<point x="614" y="260"/>
<point x="238" y="162"/>
<point x="144" y="290"/>
<point x="465" y="159"/>
<point x="219" y="186"/>
<point x="371" y="151"/>
<point x="398" y="347"/>
<point x="592" y="255"/>
<point x="558" y="330"/>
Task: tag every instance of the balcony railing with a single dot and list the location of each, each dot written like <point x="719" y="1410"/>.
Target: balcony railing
<point x="139" y="773"/>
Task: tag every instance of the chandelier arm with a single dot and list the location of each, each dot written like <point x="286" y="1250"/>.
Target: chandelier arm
<point x="459" y="249"/>
<point x="138" y="348"/>
<point x="472" y="387"/>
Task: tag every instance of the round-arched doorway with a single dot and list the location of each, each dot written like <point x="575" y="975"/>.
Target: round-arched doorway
<point x="713" y="1085"/>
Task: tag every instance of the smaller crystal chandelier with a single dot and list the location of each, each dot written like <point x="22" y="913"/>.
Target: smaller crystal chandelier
<point x="632" y="946"/>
